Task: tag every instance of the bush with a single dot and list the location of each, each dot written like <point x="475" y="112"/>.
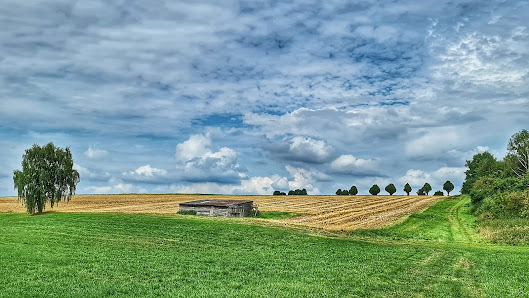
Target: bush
<point x="438" y="193"/>
<point x="279" y="193"/>
<point x="187" y="212"/>
<point x="421" y="192"/>
<point x="504" y="205"/>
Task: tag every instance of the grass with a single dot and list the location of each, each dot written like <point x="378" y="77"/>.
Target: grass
<point x="449" y="220"/>
<point x="432" y="254"/>
<point x="277" y="215"/>
<point x="510" y="231"/>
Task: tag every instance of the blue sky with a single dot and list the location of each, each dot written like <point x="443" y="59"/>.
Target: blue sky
<point x="247" y="97"/>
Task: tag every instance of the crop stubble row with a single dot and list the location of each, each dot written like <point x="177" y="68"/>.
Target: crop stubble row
<point x="327" y="212"/>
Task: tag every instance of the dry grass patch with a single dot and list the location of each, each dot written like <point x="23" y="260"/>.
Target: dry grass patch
<point x="327" y="212"/>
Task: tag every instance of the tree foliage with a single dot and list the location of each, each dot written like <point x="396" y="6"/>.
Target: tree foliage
<point x="426" y="188"/>
<point x="438" y="193"/>
<point x="297" y="192"/>
<point x="341" y="192"/>
<point x="374" y="190"/>
<point x="482" y="164"/>
<point x="448" y="186"/>
<point x="518" y="152"/>
<point x="279" y="193"/>
<point x="421" y="192"/>
<point x="47" y="176"/>
<point x="407" y="189"/>
<point x="353" y="191"/>
<point x="390" y="189"/>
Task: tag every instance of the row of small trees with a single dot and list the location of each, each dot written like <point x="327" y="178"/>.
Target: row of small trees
<point x="391" y="189"/>
<point x="297" y="192"/>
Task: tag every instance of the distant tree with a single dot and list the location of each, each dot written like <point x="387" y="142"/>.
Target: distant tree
<point x="421" y="192"/>
<point x="339" y="192"/>
<point x="426" y="188"/>
<point x="303" y="192"/>
<point x="291" y="193"/>
<point x="518" y="152"/>
<point x="448" y="187"/>
<point x="374" y="190"/>
<point x="438" y="193"/>
<point x="390" y="189"/>
<point x="353" y="191"/>
<point x="345" y="192"/>
<point x="47" y="176"/>
<point x="407" y="189"/>
<point x="277" y="193"/>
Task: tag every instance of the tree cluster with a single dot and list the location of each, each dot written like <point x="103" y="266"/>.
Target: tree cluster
<point x="297" y="192"/>
<point x="279" y="193"/>
<point x="500" y="188"/>
<point x="351" y="192"/>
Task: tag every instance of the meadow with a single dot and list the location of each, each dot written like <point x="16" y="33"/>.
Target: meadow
<point x="435" y="253"/>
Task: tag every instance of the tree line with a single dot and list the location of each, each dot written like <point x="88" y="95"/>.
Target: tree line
<point x="375" y="190"/>
<point x="391" y="189"/>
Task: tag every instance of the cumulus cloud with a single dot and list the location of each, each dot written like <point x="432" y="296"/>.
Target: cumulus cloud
<point x="253" y="185"/>
<point x="301" y="149"/>
<point x="306" y="178"/>
<point x="198" y="162"/>
<point x="147" y="171"/>
<point x="95" y="153"/>
<point x="417" y="178"/>
<point x="348" y="164"/>
<point x="115" y="186"/>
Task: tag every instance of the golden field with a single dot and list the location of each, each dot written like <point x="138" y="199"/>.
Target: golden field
<point x="326" y="212"/>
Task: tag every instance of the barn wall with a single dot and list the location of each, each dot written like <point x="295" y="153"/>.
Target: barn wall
<point x="240" y="210"/>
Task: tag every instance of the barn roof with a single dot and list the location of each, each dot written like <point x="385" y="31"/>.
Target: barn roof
<point x="215" y="203"/>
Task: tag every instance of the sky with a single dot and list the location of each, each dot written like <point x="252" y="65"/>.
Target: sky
<point x="248" y="97"/>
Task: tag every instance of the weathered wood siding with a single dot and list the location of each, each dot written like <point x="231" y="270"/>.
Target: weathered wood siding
<point x="240" y="210"/>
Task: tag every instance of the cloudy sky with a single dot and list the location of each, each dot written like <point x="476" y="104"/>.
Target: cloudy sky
<point x="247" y="97"/>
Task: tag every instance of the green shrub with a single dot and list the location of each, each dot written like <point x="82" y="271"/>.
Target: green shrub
<point x="438" y="193"/>
<point x="187" y="212"/>
<point x="506" y="205"/>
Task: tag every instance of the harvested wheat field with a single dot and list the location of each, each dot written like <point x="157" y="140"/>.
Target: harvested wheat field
<point x="326" y="212"/>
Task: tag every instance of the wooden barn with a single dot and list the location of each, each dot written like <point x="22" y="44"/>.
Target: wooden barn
<point x="228" y="208"/>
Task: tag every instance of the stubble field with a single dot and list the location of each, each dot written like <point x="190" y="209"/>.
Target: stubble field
<point x="327" y="212"/>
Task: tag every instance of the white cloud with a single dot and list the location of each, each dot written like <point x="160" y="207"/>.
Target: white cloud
<point x="253" y="185"/>
<point x="417" y="178"/>
<point x="308" y="149"/>
<point x="348" y="164"/>
<point x="302" y="149"/>
<point x="303" y="178"/>
<point x="148" y="171"/>
<point x="198" y="162"/>
<point x="196" y="146"/>
<point x="95" y="153"/>
<point x="115" y="186"/>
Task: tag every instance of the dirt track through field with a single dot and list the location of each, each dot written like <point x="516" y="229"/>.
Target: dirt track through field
<point x="327" y="212"/>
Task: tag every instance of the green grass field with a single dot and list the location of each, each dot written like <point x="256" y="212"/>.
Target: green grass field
<point x="433" y="254"/>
